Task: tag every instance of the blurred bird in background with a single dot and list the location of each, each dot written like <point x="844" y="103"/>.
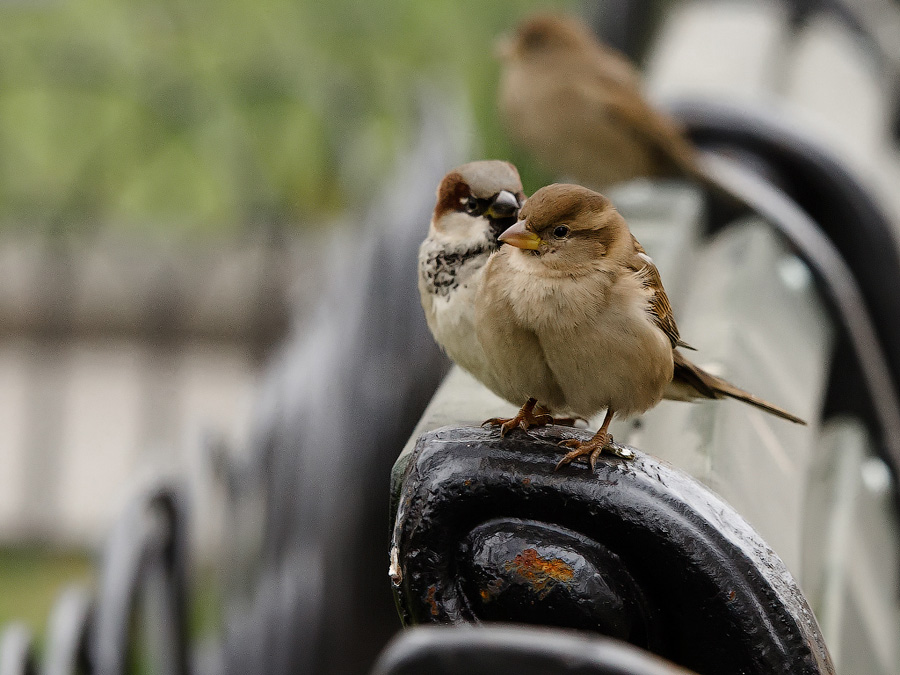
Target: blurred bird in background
<point x="578" y="106"/>
<point x="573" y="314"/>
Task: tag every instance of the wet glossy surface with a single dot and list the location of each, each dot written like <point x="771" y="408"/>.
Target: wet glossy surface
<point x="552" y="576"/>
<point x="707" y="593"/>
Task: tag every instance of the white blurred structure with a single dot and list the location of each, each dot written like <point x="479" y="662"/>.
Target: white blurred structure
<point x="819" y="75"/>
<point x="119" y="363"/>
<point x="834" y="523"/>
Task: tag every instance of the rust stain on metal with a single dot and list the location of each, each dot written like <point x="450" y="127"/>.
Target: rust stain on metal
<point x="493" y="589"/>
<point x="539" y="572"/>
<point x="431" y="601"/>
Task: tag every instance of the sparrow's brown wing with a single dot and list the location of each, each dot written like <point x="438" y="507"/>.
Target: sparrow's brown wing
<point x="660" y="308"/>
<point x="611" y="65"/>
<point x="650" y="127"/>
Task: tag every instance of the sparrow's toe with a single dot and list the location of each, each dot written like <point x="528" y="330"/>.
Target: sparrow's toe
<point x="592" y="449"/>
<point x="524" y="419"/>
<point x="508" y="425"/>
<point x="577" y="452"/>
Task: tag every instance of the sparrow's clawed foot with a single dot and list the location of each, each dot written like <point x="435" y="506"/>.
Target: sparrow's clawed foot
<point x="594" y="448"/>
<point x="524" y="419"/>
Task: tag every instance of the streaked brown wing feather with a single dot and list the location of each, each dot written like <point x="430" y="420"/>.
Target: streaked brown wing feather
<point x="659" y="301"/>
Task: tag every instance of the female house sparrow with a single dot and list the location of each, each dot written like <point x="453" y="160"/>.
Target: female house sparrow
<point x="475" y="203"/>
<point x="573" y="314"/>
<point x="578" y="106"/>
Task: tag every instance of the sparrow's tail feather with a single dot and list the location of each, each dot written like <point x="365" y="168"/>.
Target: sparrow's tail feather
<point x="691" y="381"/>
<point x="731" y="391"/>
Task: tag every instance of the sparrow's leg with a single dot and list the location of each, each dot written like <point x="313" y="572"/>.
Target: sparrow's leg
<point x="593" y="447"/>
<point x="561" y="421"/>
<point x="525" y="418"/>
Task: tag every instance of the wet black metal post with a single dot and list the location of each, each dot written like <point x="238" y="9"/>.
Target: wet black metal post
<point x="488" y="650"/>
<point x="145" y="561"/>
<point x="487" y="530"/>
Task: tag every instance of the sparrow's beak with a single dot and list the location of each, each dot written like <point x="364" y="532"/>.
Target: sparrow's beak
<point x="505" y="205"/>
<point x="519" y="237"/>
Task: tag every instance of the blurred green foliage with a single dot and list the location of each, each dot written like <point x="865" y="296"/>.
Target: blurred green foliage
<point x="31" y="580"/>
<point x="201" y="117"/>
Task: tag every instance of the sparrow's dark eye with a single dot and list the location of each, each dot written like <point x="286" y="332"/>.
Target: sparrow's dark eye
<point x="561" y="231"/>
<point x="472" y="205"/>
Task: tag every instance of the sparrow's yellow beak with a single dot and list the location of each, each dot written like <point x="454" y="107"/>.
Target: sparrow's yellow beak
<point x="519" y="237"/>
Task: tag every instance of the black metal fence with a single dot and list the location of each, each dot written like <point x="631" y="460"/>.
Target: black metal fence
<point x="306" y="567"/>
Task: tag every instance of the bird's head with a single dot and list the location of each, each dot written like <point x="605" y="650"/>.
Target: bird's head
<point x="477" y="201"/>
<point x="570" y="230"/>
<point x="546" y="36"/>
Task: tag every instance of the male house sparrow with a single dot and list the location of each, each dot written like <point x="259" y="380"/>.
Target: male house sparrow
<point x="573" y="314"/>
<point x="578" y="106"/>
<point x="475" y="203"/>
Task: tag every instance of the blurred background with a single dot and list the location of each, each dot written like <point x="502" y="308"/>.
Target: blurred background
<point x="173" y="176"/>
<point x="168" y="174"/>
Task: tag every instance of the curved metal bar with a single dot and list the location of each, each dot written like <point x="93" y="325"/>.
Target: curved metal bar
<point x="339" y="399"/>
<point x="147" y="542"/>
<point x="836" y="280"/>
<point x="492" y="649"/>
<point x="863" y="19"/>
<point x="640" y="548"/>
<point x="66" y="652"/>
<point x="822" y="187"/>
<point x="16" y="651"/>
